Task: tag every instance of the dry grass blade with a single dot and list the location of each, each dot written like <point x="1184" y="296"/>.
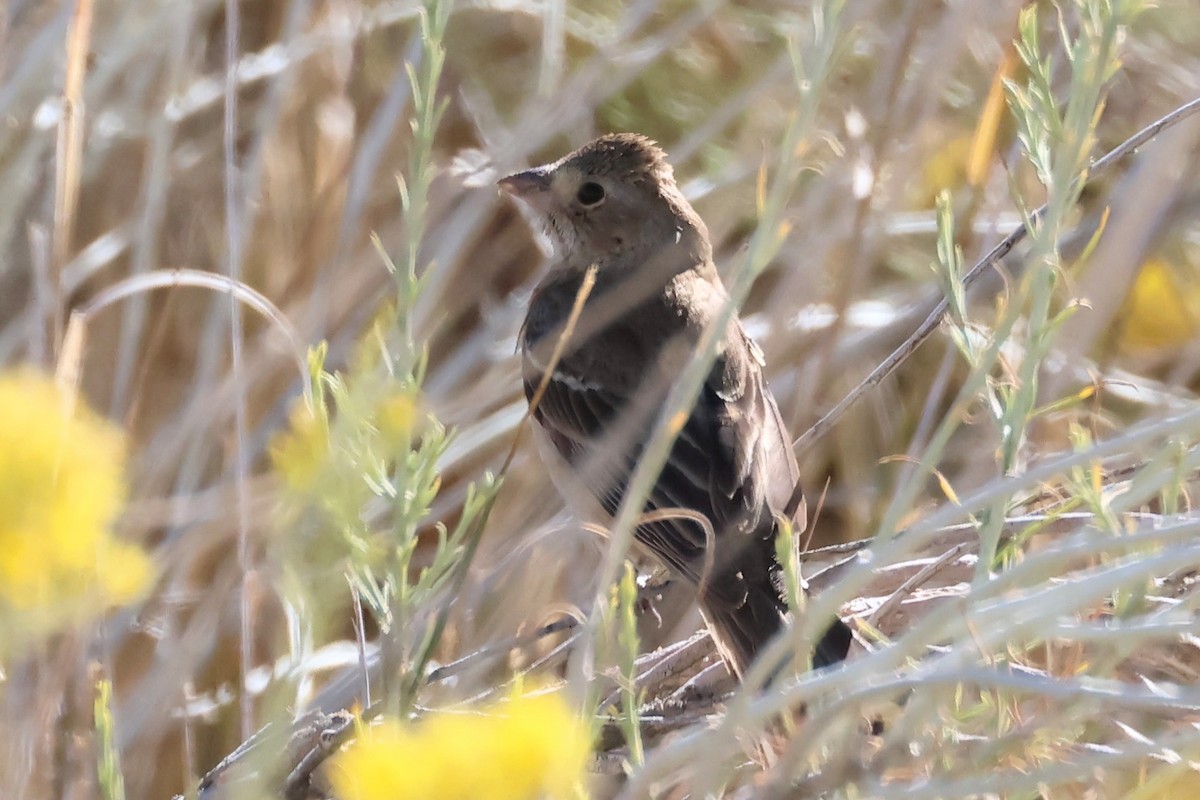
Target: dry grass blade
<point x="560" y="347"/>
<point x="69" y="152"/>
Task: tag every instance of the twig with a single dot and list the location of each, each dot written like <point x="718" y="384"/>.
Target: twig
<point x="267" y="733"/>
<point x="922" y="576"/>
<point x="454" y="667"/>
<point x="560" y="347"/>
<point x="320" y="740"/>
<point x="68" y="162"/>
<point x="667" y="662"/>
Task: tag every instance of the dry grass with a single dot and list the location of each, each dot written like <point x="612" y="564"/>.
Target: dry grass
<point x="130" y="151"/>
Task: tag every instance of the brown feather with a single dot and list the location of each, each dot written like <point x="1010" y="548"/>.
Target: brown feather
<point x="656" y="290"/>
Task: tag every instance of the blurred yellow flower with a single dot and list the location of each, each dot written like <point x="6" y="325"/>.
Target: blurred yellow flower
<point x="529" y="748"/>
<point x="395" y="418"/>
<point x="301" y="453"/>
<point x="945" y="169"/>
<point x="62" y="485"/>
<point x="1162" y="309"/>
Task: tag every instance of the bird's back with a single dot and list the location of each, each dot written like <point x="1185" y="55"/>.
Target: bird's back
<point x="731" y="462"/>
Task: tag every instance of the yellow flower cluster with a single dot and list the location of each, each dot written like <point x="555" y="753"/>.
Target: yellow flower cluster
<point x="304" y="454"/>
<point x="1162" y="309"/>
<point x="301" y="454"/>
<point x="531" y="747"/>
<point x="61" y="487"/>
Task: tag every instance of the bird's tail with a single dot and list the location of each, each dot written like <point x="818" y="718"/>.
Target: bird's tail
<point x="742" y="631"/>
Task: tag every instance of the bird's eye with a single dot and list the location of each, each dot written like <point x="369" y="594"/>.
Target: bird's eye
<point x="590" y="194"/>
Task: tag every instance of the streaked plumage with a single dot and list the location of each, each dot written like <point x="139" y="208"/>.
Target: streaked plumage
<point x="614" y="204"/>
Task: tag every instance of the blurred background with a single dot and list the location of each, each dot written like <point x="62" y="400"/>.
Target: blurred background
<point x="148" y="138"/>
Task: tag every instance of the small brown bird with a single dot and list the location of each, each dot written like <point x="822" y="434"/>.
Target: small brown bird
<point x="613" y="205"/>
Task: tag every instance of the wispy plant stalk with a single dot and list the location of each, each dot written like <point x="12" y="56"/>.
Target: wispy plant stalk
<point x="1058" y="144"/>
<point x="108" y="766"/>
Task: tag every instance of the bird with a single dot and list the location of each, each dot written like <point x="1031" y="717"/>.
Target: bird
<point x="623" y="233"/>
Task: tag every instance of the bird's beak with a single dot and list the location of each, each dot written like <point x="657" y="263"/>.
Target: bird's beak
<point x="527" y="184"/>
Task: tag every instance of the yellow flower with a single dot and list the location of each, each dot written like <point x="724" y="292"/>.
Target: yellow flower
<point x="61" y="487"/>
<point x="945" y="169"/>
<point x="300" y="454"/>
<point x="1162" y="309"/>
<point x="396" y="417"/>
<point x="529" y="748"/>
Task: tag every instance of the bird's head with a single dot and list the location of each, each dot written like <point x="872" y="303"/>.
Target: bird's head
<point x="613" y="196"/>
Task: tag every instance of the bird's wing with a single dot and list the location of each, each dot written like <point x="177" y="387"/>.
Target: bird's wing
<point x="759" y="463"/>
<point x="597" y="411"/>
